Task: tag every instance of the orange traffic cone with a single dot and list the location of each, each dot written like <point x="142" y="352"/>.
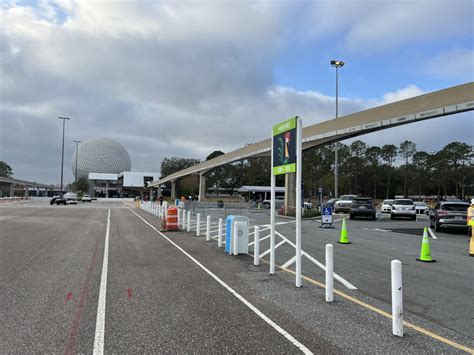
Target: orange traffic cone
<point x="425" y="254"/>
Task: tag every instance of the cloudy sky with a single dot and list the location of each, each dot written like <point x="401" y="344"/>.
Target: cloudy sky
<point x="185" y="78"/>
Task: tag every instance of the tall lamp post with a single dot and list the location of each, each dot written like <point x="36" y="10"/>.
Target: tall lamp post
<point x="75" y="172"/>
<point x="337" y="64"/>
<point x="62" y="152"/>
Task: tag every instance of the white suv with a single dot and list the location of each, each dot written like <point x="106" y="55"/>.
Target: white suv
<point x="344" y="203"/>
<point x="86" y="198"/>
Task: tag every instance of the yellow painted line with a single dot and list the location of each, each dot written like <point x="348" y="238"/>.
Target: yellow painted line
<point x="383" y="313"/>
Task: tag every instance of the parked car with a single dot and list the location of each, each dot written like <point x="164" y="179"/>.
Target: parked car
<point x="387" y="206"/>
<point x="403" y="207"/>
<point x="421" y="208"/>
<point x="307" y="205"/>
<point x="57" y="200"/>
<point x="279" y="201"/>
<point x="362" y="207"/>
<point x="86" y="198"/>
<point x="449" y="214"/>
<point x="344" y="203"/>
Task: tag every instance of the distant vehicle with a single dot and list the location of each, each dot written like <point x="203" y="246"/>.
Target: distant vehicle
<point x="344" y="203"/>
<point x="86" y="198"/>
<point x="330" y="203"/>
<point x="362" y="207"/>
<point x="421" y="208"/>
<point x="307" y="205"/>
<point x="69" y="198"/>
<point x="56" y="200"/>
<point x="279" y="201"/>
<point x="403" y="208"/>
<point x="449" y="214"/>
<point x="387" y="206"/>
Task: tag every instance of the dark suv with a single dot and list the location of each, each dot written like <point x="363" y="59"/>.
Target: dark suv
<point x="362" y="207"/>
<point x="449" y="214"/>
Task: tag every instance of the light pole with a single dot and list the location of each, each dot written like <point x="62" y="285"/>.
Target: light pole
<point x="336" y="64"/>
<point x="62" y="152"/>
<point x="75" y="173"/>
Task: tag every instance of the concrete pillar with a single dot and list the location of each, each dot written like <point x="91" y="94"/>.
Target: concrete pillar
<point x="290" y="193"/>
<point x="173" y="189"/>
<point x="12" y="190"/>
<point x="202" y="187"/>
<point x="27" y="193"/>
<point x="106" y="189"/>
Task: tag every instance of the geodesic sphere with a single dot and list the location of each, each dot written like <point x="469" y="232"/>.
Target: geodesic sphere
<point x="100" y="155"/>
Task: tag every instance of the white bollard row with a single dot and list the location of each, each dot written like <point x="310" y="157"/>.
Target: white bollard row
<point x="184" y="219"/>
<point x="256" y="246"/>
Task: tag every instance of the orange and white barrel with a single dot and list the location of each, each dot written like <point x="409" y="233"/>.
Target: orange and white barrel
<point x="172" y="219"/>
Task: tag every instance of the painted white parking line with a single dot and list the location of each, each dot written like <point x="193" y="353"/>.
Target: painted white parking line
<point x="100" y="321"/>
<point x="432" y="234"/>
<point x="260" y="314"/>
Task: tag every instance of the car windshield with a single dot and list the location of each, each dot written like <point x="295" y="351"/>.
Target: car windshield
<point x="388" y="202"/>
<point x="346" y="197"/>
<point x="403" y="202"/>
<point x="364" y="202"/>
<point x="455" y="207"/>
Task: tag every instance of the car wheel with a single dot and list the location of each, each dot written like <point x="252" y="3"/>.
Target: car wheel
<point x="437" y="227"/>
<point x="374" y="217"/>
<point x="413" y="218"/>
<point x="392" y="216"/>
<point x="351" y="216"/>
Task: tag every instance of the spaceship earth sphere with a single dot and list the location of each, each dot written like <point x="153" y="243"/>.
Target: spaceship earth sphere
<point x="100" y="155"/>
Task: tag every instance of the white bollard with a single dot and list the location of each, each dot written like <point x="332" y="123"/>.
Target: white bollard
<point x="208" y="229"/>
<point x="219" y="234"/>
<point x="397" y="298"/>
<point x="178" y="214"/>
<point x="189" y="222"/>
<point x="184" y="219"/>
<point x="329" y="273"/>
<point x="236" y="239"/>
<point x="256" y="246"/>
<point x="198" y="225"/>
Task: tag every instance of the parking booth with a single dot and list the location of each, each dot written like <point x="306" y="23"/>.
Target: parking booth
<point x="243" y="234"/>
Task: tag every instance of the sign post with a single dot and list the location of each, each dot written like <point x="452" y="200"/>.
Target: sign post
<point x="286" y="158"/>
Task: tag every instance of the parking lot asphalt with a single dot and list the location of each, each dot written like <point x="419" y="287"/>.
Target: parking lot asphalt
<point x="159" y="300"/>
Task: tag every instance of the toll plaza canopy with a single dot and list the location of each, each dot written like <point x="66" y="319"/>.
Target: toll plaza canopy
<point x="444" y="102"/>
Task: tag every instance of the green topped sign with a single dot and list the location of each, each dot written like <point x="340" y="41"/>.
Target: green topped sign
<point x="284" y="147"/>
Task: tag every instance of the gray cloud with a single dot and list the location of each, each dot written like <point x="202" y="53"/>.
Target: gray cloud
<point x="163" y="79"/>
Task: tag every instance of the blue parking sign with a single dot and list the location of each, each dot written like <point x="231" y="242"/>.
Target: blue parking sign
<point x="326" y="218"/>
<point x="327" y="211"/>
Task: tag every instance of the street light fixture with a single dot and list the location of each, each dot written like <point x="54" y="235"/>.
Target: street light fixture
<point x="62" y="152"/>
<point x="337" y="64"/>
<point x="75" y="173"/>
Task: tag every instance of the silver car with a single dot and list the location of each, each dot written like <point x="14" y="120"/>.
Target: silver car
<point x="403" y="208"/>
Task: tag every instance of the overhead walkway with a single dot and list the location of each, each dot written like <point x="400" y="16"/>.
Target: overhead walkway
<point x="12" y="182"/>
<point x="440" y="103"/>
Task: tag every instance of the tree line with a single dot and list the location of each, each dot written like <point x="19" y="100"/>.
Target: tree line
<point x="376" y="171"/>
